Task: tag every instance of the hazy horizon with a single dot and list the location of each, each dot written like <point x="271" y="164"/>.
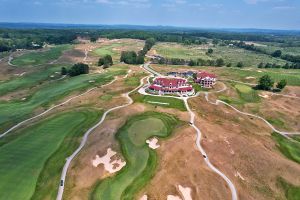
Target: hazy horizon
<point x="240" y="14"/>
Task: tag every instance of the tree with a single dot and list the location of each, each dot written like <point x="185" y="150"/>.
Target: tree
<point x="220" y="62"/>
<point x="265" y="83"/>
<point x="210" y="51"/>
<point x="277" y="53"/>
<point x="64" y="71"/>
<point x="260" y="65"/>
<point x="105" y="61"/>
<point x="78" y="69"/>
<point x="228" y="65"/>
<point x="240" y="64"/>
<point x="93" y="38"/>
<point x="129" y="57"/>
<point x="192" y="63"/>
<point x="281" y="84"/>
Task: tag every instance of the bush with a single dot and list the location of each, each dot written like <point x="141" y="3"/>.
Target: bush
<point x="265" y="83"/>
<point x="105" y="61"/>
<point x="281" y="84"/>
<point x="240" y="64"/>
<point x="78" y="69"/>
<point x="64" y="71"/>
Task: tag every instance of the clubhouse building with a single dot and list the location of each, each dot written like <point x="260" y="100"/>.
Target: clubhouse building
<point x="205" y="79"/>
<point x="171" y="85"/>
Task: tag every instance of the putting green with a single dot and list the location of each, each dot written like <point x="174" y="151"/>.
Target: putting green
<point x="23" y="158"/>
<point x="141" y="161"/>
<point x="37" y="58"/>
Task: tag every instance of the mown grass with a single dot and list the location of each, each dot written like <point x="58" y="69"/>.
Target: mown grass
<point x="291" y="192"/>
<point x="30" y="80"/>
<point x="13" y="112"/>
<point x="168" y="102"/>
<point x="32" y="162"/>
<point x="141" y="161"/>
<point x="38" y="58"/>
<point x="247" y="94"/>
<point x="289" y="148"/>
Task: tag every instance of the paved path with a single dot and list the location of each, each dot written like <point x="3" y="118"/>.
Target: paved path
<point x="85" y="137"/>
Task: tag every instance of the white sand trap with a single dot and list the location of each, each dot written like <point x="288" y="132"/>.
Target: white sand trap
<point x="160" y="103"/>
<point x="23" y="99"/>
<point x="237" y="174"/>
<point x="259" y="71"/>
<point x="186" y="192"/>
<point x="250" y="77"/>
<point x="109" y="165"/>
<point x="52" y="76"/>
<point x="172" y="197"/>
<point x="92" y="81"/>
<point x="145" y="197"/>
<point x="264" y="96"/>
<point x="153" y="143"/>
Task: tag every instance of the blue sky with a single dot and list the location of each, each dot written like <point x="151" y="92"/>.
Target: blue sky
<point x="271" y="14"/>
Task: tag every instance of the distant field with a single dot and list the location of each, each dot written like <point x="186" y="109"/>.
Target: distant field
<point x="37" y="58"/>
<point x="31" y="79"/>
<point x="160" y="101"/>
<point x="115" y="48"/>
<point x="141" y="160"/>
<point x="38" y="154"/>
<point x="229" y="54"/>
<point x="270" y="47"/>
<point x="14" y="111"/>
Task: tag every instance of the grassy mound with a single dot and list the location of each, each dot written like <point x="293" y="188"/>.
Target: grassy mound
<point x="37" y="58"/>
<point x="34" y="157"/>
<point x="141" y="160"/>
<point x="16" y="111"/>
<point x="289" y="148"/>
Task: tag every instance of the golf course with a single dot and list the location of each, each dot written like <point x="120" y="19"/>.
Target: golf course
<point x="31" y="159"/>
<point x="141" y="160"/>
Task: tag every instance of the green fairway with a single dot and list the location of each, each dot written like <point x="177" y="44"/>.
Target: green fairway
<point x="167" y="102"/>
<point x="31" y="79"/>
<point x="289" y="148"/>
<point x="291" y="192"/>
<point x="37" y="58"/>
<point x="141" y="161"/>
<point x="247" y="94"/>
<point x="15" y="111"/>
<point x="32" y="162"/>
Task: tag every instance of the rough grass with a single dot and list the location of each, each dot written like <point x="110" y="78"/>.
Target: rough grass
<point x="167" y="101"/>
<point x="289" y="148"/>
<point x="32" y="162"/>
<point x="30" y="80"/>
<point x="14" y="111"/>
<point x="141" y="160"/>
<point x="38" y="58"/>
<point x="291" y="192"/>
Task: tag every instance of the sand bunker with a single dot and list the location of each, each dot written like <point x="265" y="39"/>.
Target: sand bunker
<point x="185" y="193"/>
<point x="145" y="197"/>
<point x="172" y="197"/>
<point x="110" y="165"/>
<point x="264" y="96"/>
<point x="153" y="143"/>
<point x="250" y="77"/>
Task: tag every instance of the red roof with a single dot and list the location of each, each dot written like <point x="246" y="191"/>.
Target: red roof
<point x="167" y="82"/>
<point x="202" y="75"/>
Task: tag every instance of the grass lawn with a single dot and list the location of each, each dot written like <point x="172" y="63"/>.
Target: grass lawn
<point x="247" y="94"/>
<point x="32" y="161"/>
<point x="141" y="160"/>
<point x="37" y="58"/>
<point x="30" y="80"/>
<point x="160" y="101"/>
<point x="289" y="148"/>
<point x="291" y="192"/>
<point x="13" y="112"/>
